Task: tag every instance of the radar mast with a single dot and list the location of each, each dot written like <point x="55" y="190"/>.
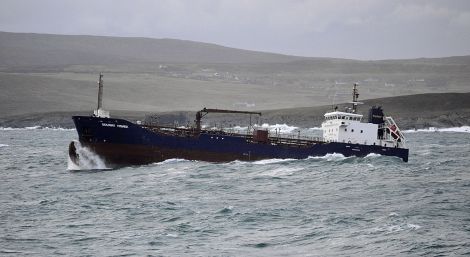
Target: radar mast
<point x="355" y="96"/>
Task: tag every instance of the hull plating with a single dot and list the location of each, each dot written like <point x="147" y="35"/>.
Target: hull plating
<point x="122" y="143"/>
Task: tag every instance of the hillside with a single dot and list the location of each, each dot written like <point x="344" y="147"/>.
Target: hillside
<point x="412" y="111"/>
<point x="30" y="50"/>
<point x="42" y="73"/>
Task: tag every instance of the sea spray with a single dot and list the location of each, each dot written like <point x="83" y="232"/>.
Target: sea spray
<point x="280" y="128"/>
<point x="87" y="160"/>
<point x="37" y="128"/>
<point x="463" y="129"/>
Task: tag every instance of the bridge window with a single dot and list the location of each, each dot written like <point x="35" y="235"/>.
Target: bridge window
<point x="346" y="129"/>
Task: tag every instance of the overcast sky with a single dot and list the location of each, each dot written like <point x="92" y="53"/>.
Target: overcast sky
<point x="361" y="29"/>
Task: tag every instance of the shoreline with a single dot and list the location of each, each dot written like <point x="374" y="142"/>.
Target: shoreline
<point x="444" y="110"/>
<point x="63" y="121"/>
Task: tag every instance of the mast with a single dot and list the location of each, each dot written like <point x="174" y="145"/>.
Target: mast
<point x="355" y="96"/>
<point x="100" y="92"/>
<point x="99" y="112"/>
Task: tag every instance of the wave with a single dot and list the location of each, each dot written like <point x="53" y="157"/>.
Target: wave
<point x="280" y="128"/>
<point x="272" y="161"/>
<point x="171" y="161"/>
<point x="373" y="155"/>
<point x="279" y="172"/>
<point x="463" y="129"/>
<point x="327" y="157"/>
<point x="330" y="157"/>
<point x="38" y="128"/>
<point x="3" y="145"/>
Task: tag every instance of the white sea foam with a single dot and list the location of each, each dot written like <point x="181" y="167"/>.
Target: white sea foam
<point x="373" y="155"/>
<point x="394" y="228"/>
<point x="280" y="128"/>
<point x="37" y="128"/>
<point x="169" y="161"/>
<point x="272" y="161"/>
<point x="330" y="157"/>
<point x="58" y="128"/>
<point x="413" y="226"/>
<point x="3" y="145"/>
<point x="463" y="129"/>
<point x="88" y="160"/>
<point x="279" y="172"/>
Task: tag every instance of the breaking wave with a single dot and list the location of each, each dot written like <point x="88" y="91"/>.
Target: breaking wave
<point x="330" y="157"/>
<point x="38" y="128"/>
<point x="174" y="160"/>
<point x="373" y="155"/>
<point x="3" y="145"/>
<point x="463" y="129"/>
<point x="280" y="128"/>
<point x="272" y="161"/>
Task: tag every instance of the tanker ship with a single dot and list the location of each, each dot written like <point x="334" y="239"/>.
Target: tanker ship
<point x="120" y="142"/>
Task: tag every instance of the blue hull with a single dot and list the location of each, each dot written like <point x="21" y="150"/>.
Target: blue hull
<point x="120" y="143"/>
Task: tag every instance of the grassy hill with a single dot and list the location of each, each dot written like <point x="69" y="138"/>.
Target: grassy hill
<point x="42" y="73"/>
<point x="29" y="50"/>
<point x="411" y="111"/>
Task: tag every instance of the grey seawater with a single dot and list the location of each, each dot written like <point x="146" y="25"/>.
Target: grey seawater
<point x="317" y="207"/>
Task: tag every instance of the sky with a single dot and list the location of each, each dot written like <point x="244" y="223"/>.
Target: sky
<point x="355" y="29"/>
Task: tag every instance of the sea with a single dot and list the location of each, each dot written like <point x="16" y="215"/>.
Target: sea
<point x="319" y="206"/>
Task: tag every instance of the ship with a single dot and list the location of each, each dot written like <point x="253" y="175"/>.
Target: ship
<point x="119" y="142"/>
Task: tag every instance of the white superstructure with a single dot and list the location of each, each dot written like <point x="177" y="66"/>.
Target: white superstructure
<point x="347" y="127"/>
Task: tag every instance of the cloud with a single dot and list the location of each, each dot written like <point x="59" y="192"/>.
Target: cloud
<point x="365" y="29"/>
